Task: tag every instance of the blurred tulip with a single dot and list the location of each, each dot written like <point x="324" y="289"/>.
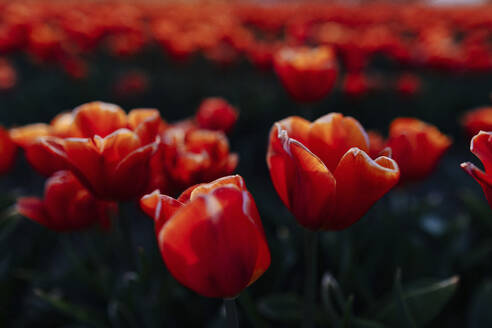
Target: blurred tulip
<point x="308" y="74"/>
<point x="416" y="147"/>
<point x="8" y="150"/>
<point x="67" y="205"/>
<point x="322" y="171"/>
<point x="211" y="237"/>
<point x="8" y="75"/>
<point x="187" y="156"/>
<point x="115" y="167"/>
<point x="481" y="146"/>
<point x="216" y="114"/>
<point x="356" y="84"/>
<point x="99" y="118"/>
<point x="477" y="120"/>
<point x="408" y="84"/>
<point x="131" y="83"/>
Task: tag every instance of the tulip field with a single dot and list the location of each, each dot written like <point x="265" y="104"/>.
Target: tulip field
<point x="245" y="164"/>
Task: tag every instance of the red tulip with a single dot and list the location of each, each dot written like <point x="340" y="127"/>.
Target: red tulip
<point x="416" y="146"/>
<point x="8" y="150"/>
<point x="408" y="84"/>
<point x="308" y="74"/>
<point x="211" y="237"/>
<point x="67" y="205"/>
<point x="115" y="167"/>
<point x="356" y="84"/>
<point x="481" y="146"/>
<point x="188" y="156"/>
<point x="477" y="120"/>
<point x="99" y="118"/>
<point x="216" y="114"/>
<point x="322" y="172"/>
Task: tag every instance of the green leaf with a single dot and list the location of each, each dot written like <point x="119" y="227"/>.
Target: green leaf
<point x="479" y="314"/>
<point x="424" y="301"/>
<point x="405" y="315"/>
<point x="74" y="311"/>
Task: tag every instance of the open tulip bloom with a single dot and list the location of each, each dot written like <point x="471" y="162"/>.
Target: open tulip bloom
<point x="322" y="171"/>
<point x="481" y="146"/>
<point x="325" y="177"/>
<point x="211" y="237"/>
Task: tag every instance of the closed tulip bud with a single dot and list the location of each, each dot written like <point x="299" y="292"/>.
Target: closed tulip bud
<point x="67" y="205"/>
<point x="416" y="147"/>
<point x="216" y="114"/>
<point x="308" y="74"/>
<point x="322" y="171"/>
<point x="211" y="237"/>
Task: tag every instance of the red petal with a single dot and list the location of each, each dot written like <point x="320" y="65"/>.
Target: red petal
<point x="483" y="179"/>
<point x="145" y="123"/>
<point x="210" y="245"/>
<point x="481" y="146"/>
<point x="361" y="181"/>
<point x="159" y="207"/>
<point x="33" y="208"/>
<point x="302" y="181"/>
<point x="99" y="118"/>
<point x="332" y="135"/>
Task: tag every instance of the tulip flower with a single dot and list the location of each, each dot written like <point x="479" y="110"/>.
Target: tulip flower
<point x="416" y="147"/>
<point x="322" y="171"/>
<point x="481" y="146"/>
<point x="308" y="74"/>
<point x="67" y="205"/>
<point x="8" y="150"/>
<point x="477" y="120"/>
<point x="408" y="84"/>
<point x="216" y="114"/>
<point x="211" y="237"/>
<point x="187" y="156"/>
<point x="325" y="177"/>
<point x="115" y="167"/>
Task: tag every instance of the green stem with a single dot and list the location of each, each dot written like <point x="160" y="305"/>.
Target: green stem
<point x="310" y="255"/>
<point x="231" y="313"/>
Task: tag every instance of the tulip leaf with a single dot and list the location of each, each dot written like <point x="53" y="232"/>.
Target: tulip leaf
<point x="479" y="314"/>
<point x="423" y="301"/>
<point x="74" y="311"/>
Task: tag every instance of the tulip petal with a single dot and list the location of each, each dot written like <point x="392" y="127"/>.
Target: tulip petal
<point x="301" y="179"/>
<point x="145" y="122"/>
<point x="25" y="135"/>
<point x="159" y="207"/>
<point x="33" y="208"/>
<point x="210" y="245"/>
<point x="99" y="118"/>
<point x="483" y="179"/>
<point x="332" y="135"/>
<point x="481" y="146"/>
<point x="361" y="182"/>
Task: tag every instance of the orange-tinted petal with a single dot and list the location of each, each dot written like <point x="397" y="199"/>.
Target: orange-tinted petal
<point x="361" y="181"/>
<point x="99" y="118"/>
<point x="27" y="134"/>
<point x="159" y="207"/>
<point x="332" y="135"/>
<point x="42" y="160"/>
<point x="146" y="123"/>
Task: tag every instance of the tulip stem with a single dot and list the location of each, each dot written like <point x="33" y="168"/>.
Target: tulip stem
<point x="310" y="255"/>
<point x="231" y="313"/>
